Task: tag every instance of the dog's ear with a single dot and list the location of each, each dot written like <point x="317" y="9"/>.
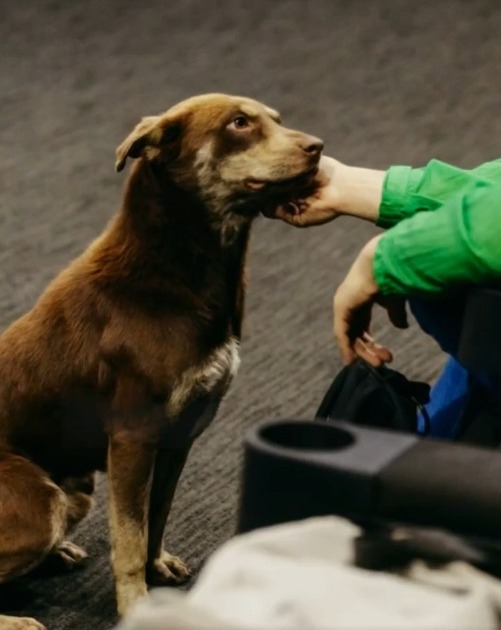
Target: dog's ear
<point x="149" y="137"/>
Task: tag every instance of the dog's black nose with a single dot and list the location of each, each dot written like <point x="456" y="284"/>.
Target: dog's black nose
<point x="312" y="145"/>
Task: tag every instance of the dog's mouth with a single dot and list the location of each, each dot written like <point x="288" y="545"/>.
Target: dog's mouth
<point x="302" y="178"/>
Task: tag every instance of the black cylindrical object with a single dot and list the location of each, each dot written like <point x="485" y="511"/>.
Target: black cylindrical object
<point x="295" y="469"/>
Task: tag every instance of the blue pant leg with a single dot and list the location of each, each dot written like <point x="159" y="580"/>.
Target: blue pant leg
<point x="452" y="393"/>
<point x="449" y="398"/>
<point x="442" y="319"/>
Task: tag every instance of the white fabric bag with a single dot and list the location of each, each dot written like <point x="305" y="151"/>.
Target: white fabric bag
<point x="299" y="576"/>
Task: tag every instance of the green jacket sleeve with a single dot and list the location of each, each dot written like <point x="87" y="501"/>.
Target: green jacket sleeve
<point x="407" y="190"/>
<point x="458" y="243"/>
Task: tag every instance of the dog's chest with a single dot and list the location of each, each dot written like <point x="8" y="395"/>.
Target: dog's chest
<point x="199" y="389"/>
<point x="221" y="366"/>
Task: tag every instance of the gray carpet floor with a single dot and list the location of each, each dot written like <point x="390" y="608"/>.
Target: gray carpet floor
<point x="382" y="81"/>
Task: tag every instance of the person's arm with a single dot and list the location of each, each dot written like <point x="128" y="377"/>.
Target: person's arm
<point x="359" y="191"/>
<point x="427" y="254"/>
<point x="407" y="191"/>
<point x="460" y="243"/>
<point x="382" y="197"/>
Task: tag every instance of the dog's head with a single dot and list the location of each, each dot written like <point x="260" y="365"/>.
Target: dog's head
<point x="232" y="152"/>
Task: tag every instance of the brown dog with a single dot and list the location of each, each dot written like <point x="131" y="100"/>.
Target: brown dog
<point x="125" y="357"/>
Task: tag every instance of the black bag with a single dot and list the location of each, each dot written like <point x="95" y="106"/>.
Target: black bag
<point x="375" y="397"/>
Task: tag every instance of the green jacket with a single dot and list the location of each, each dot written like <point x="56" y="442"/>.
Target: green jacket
<point x="445" y="228"/>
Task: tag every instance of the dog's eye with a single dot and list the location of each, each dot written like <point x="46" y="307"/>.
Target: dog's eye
<point x="240" y="122"/>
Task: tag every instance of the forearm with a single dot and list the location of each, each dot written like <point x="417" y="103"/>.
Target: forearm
<point x="388" y="197"/>
<point x="382" y="197"/>
<point x="360" y="191"/>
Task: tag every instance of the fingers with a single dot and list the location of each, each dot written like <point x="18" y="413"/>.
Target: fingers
<point x="349" y="327"/>
<point x="290" y="213"/>
<point x="351" y="331"/>
<point x="303" y="212"/>
<point x="300" y="213"/>
<point x="373" y="352"/>
<point x="365" y="348"/>
<point x="364" y="351"/>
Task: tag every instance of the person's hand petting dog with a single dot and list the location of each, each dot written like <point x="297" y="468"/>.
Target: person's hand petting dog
<point x="319" y="208"/>
<point x="337" y="190"/>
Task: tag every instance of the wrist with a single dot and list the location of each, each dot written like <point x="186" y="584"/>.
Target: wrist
<point x="359" y="191"/>
<point x="366" y="261"/>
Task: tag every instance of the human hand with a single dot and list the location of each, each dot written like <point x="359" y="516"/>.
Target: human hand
<point x="353" y="303"/>
<point x="337" y="189"/>
<point x="320" y="206"/>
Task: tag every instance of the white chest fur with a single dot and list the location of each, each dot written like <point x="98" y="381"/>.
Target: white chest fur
<point x="213" y="377"/>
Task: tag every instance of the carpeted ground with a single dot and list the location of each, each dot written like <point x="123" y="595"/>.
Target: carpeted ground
<point x="382" y="82"/>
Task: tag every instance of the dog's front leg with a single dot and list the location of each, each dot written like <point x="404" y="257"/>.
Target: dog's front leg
<point x="164" y="568"/>
<point x="130" y="467"/>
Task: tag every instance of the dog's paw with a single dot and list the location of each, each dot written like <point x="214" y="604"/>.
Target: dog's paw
<point x="20" y="623"/>
<point x="167" y="570"/>
<point x="70" y="554"/>
<point x="65" y="557"/>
